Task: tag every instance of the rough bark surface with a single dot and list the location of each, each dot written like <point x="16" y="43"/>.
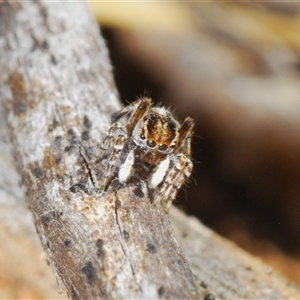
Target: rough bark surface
<point x="23" y="268"/>
<point x="57" y="95"/>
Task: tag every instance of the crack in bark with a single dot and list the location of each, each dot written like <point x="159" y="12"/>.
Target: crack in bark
<point x="85" y="160"/>
<point x="117" y="206"/>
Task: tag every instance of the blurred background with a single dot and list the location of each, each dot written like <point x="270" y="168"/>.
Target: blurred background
<point x="235" y="68"/>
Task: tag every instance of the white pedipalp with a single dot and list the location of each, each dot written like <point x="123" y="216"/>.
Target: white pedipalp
<point x="159" y="173"/>
<point x="126" y="167"/>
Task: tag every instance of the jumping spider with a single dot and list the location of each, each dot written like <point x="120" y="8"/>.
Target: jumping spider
<point x="152" y="146"/>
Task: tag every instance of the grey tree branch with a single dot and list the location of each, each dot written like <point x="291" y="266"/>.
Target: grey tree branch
<point x="57" y="93"/>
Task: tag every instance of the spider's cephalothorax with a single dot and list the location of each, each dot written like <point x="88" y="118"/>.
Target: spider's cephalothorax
<point x="152" y="146"/>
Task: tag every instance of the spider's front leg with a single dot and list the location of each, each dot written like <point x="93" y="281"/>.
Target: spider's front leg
<point x="136" y="111"/>
<point x="178" y="172"/>
<point x="109" y="152"/>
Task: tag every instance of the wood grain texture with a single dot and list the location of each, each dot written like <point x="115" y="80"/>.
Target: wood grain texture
<point x="57" y="95"/>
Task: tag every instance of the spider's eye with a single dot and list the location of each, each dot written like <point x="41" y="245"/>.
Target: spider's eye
<point x="142" y="136"/>
<point x="151" y="143"/>
<point x="162" y="147"/>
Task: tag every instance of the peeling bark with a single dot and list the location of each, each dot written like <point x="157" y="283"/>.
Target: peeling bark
<point x="57" y="95"/>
